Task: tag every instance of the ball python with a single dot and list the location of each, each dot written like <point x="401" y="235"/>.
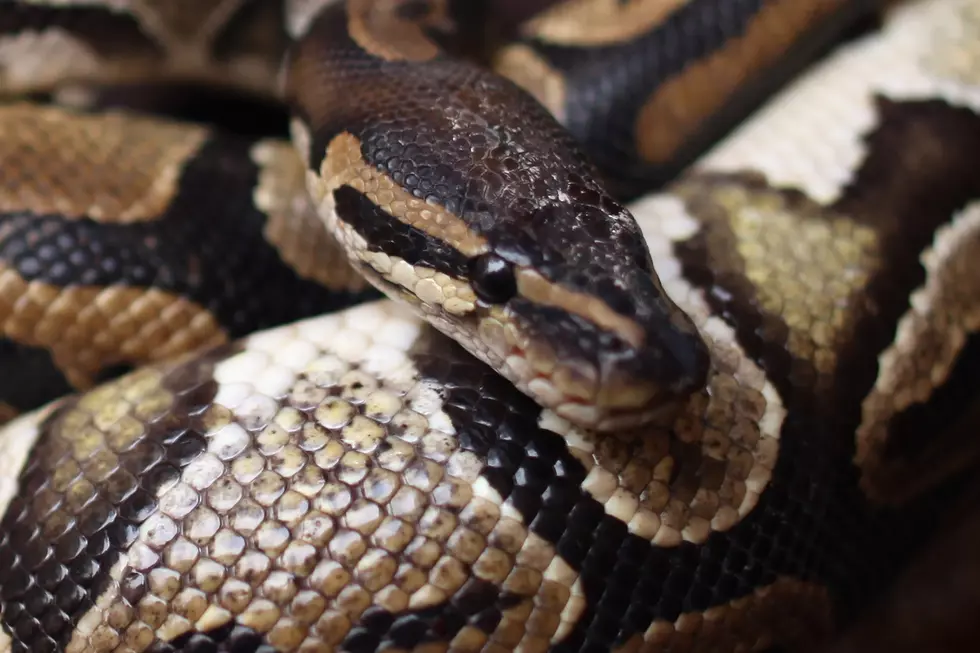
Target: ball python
<point x="360" y="482"/>
<point x="155" y="297"/>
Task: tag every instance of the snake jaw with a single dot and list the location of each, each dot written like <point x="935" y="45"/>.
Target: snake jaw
<point x="597" y="382"/>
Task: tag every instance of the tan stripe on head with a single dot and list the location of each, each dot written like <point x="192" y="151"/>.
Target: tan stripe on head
<point x="112" y="168"/>
<point x="531" y="285"/>
<point x="345" y="165"/>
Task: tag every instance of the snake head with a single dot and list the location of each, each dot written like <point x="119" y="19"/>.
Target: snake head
<point x="560" y="297"/>
<point x="453" y="190"/>
<point x="571" y="310"/>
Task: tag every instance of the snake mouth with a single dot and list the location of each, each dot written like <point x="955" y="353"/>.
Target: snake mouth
<point x="578" y="390"/>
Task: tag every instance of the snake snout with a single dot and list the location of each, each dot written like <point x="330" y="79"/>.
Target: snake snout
<point x="614" y="354"/>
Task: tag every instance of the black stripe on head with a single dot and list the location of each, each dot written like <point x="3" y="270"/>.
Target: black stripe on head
<point x="386" y="233"/>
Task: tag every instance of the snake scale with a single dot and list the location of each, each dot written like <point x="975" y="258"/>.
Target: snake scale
<point x="557" y="330"/>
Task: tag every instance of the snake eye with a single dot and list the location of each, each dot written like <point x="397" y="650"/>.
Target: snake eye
<point x="492" y="278"/>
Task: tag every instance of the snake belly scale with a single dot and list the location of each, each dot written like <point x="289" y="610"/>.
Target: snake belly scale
<point x="721" y="417"/>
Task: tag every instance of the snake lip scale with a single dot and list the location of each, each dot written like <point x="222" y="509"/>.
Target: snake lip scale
<point x="416" y="375"/>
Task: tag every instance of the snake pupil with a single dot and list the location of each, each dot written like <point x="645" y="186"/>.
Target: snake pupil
<point x="493" y="279"/>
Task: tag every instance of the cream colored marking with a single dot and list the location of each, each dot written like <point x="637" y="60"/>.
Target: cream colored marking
<point x="294" y="226"/>
<point x="112" y="167"/>
<point x="598" y="22"/>
<point x="362" y="497"/>
<point x="300" y="13"/>
<point x="496" y="340"/>
<point x="90" y="634"/>
<point x="88" y="327"/>
<point x="375" y="26"/>
<point x="831" y="107"/>
<point x="676" y="110"/>
<point x="629" y="472"/>
<point x="944" y="312"/>
<point x="536" y="288"/>
<point x="301" y="139"/>
<point x="17" y="438"/>
<point x="956" y="52"/>
<point x="38" y="59"/>
<point x="522" y="65"/>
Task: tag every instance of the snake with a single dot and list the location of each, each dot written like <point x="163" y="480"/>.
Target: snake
<point x="432" y="373"/>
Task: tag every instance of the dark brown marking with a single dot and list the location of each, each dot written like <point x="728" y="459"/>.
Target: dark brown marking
<point x="918" y="173"/>
<point x="913" y="179"/>
<point x="32" y="378"/>
<point x="711" y="261"/>
<point x="256" y="34"/>
<point x="793" y="533"/>
<point x="7" y="412"/>
<point x="933" y="605"/>
<point x="793" y="615"/>
<point x="521" y="64"/>
<point x="89" y="484"/>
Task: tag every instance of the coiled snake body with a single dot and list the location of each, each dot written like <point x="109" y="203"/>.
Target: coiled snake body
<point x="720" y="417"/>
